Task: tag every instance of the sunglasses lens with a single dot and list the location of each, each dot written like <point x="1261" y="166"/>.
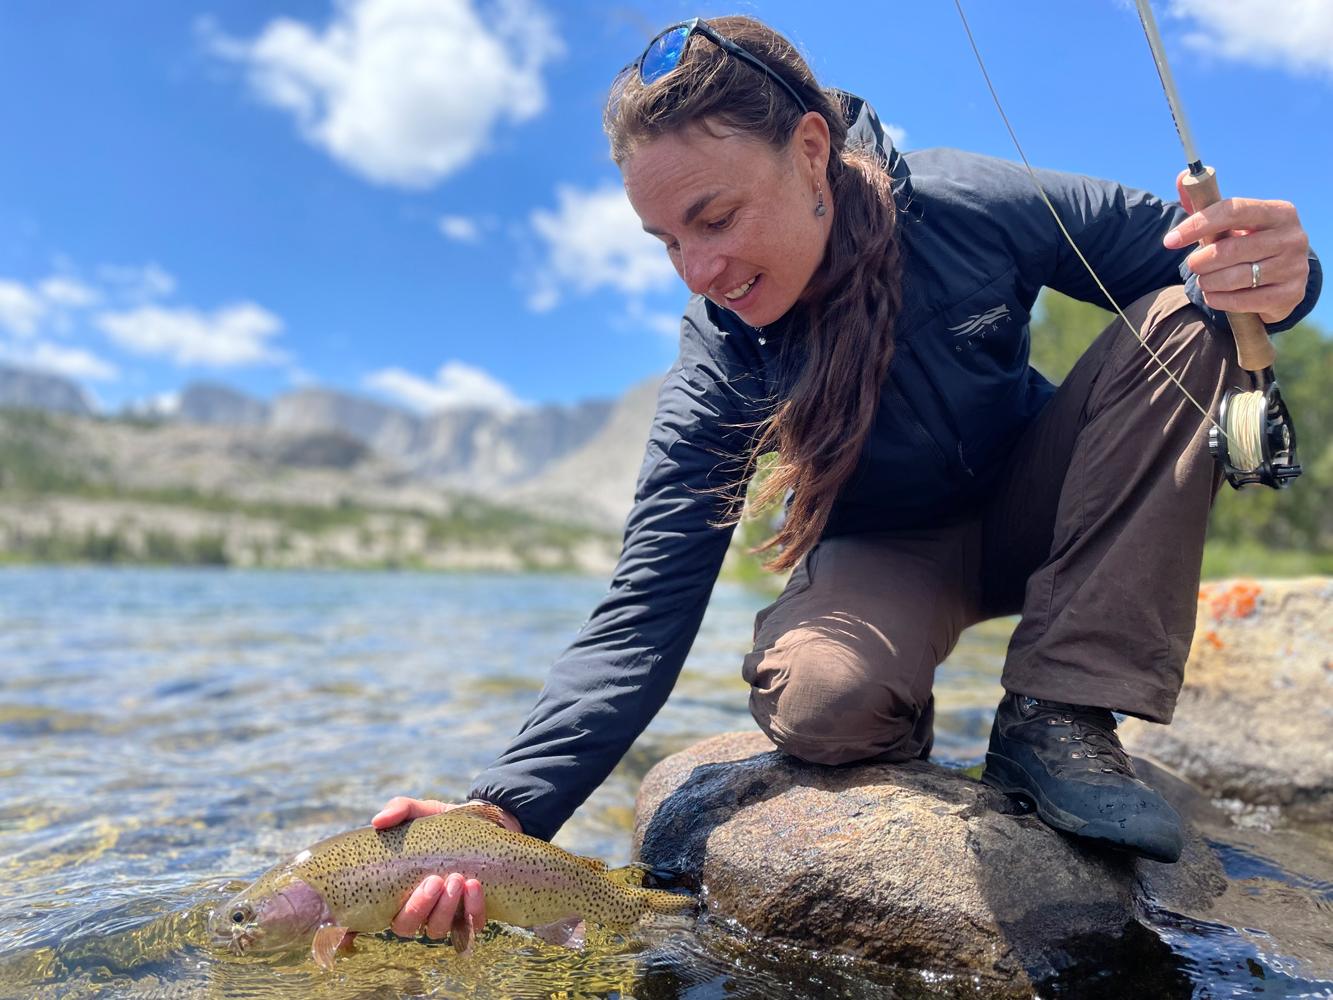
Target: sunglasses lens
<point x="663" y="55"/>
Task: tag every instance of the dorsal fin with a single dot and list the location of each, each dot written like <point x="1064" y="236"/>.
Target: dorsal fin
<point x="493" y="814"/>
<point x="478" y="810"/>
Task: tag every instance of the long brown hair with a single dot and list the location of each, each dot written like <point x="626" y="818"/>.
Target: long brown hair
<point x="851" y="302"/>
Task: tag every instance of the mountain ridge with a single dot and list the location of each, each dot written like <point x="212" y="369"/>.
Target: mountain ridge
<point x="577" y="463"/>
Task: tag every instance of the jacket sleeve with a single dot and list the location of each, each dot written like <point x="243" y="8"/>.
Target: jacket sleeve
<point x="605" y="689"/>
<point x="1120" y="230"/>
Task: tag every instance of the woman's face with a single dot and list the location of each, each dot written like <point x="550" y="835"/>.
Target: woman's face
<point x="737" y="216"/>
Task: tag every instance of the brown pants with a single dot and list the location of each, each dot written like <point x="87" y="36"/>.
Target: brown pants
<point x="1095" y="534"/>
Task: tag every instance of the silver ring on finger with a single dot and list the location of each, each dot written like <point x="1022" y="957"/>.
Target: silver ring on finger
<point x="1254" y="275"/>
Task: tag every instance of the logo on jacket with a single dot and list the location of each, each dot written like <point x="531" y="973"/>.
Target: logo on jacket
<point x="981" y="323"/>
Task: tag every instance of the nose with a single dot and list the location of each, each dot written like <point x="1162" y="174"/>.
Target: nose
<point x="699" y="268"/>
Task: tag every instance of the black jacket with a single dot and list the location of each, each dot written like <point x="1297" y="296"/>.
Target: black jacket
<point x="978" y="245"/>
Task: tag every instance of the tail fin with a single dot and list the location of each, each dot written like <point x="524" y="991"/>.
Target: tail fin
<point x="660" y="901"/>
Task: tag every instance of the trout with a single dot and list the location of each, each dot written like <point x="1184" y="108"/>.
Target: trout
<point x="357" y="881"/>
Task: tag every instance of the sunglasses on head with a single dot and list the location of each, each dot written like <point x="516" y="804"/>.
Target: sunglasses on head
<point x="664" y="52"/>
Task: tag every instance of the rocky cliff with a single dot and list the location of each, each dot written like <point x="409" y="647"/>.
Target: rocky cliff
<point x="21" y="388"/>
<point x="515" y="453"/>
<point x="78" y="489"/>
<point x="208" y="403"/>
<point x="594" y="484"/>
<point x="317" y="477"/>
<point x="576" y="463"/>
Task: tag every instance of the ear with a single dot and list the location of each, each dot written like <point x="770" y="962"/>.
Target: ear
<point x="810" y="146"/>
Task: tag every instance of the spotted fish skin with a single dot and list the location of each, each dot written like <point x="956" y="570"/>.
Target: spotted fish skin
<point x="362" y="878"/>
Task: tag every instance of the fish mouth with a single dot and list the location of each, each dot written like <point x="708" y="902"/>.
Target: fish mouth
<point x="236" y="938"/>
<point x="236" y="942"/>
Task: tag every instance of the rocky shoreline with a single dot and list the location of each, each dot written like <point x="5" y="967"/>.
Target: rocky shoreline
<point x="467" y="536"/>
<point x="920" y="866"/>
<point x="1255" y="718"/>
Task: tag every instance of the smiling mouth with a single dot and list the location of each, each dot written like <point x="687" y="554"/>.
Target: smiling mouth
<point x="742" y="291"/>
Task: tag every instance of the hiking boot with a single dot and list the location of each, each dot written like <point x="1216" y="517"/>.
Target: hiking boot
<point x="1068" y="762"/>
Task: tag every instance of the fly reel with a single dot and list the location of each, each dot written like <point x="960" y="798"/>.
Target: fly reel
<point x="1254" y="440"/>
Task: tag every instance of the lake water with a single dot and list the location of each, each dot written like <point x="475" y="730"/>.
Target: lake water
<point x="166" y="735"/>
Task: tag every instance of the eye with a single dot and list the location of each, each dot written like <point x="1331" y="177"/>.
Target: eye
<point x="722" y="223"/>
<point x="238" y="917"/>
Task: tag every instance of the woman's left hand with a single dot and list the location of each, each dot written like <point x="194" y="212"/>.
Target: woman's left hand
<point x="1268" y="233"/>
<point x="439" y="903"/>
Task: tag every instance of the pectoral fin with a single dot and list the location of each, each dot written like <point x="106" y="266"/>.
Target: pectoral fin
<point x="567" y="933"/>
<point x="463" y="934"/>
<point x="327" y="941"/>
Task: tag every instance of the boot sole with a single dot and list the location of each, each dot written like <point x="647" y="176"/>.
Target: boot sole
<point x="1005" y="776"/>
<point x="1008" y="777"/>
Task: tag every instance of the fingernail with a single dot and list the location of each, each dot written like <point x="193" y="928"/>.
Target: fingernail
<point x="1172" y="239"/>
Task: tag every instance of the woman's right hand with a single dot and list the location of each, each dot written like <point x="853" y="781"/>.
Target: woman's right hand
<point x="439" y="904"/>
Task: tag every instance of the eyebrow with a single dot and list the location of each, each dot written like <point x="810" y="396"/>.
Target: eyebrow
<point x="698" y="207"/>
<point x="690" y="213"/>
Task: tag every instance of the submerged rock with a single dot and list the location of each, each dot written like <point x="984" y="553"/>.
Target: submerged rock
<point x="1255" y="716"/>
<point x="908" y="864"/>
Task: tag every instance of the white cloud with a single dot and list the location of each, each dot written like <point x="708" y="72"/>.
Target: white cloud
<point x="164" y="404"/>
<point x="460" y="228"/>
<point x="595" y="240"/>
<point x="21" y="309"/>
<point x="27" y="309"/>
<point x="403" y="92"/>
<point x="456" y="386"/>
<point x="63" y="307"/>
<point x="1292" y="34"/>
<point x="227" y="338"/>
<point x="667" y="324"/>
<point x="897" y="133"/>
<point x="65" y="291"/>
<point x="638" y="316"/>
<point x="138" y="284"/>
<point x="72" y="362"/>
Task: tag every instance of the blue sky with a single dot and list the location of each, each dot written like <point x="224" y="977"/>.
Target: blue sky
<point x="412" y="198"/>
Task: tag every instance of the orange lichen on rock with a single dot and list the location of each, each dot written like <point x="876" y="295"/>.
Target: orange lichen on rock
<point x="1212" y="640"/>
<point x="1236" y="600"/>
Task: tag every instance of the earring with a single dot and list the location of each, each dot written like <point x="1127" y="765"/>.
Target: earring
<point x="820" y="209"/>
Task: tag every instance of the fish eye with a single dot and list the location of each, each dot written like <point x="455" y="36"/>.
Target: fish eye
<point x="238" y="917"/>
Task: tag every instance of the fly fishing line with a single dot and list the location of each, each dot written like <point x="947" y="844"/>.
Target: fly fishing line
<point x="1252" y="437"/>
<point x="1245" y="429"/>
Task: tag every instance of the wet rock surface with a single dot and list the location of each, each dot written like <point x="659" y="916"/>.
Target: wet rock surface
<point x="1255" y="717"/>
<point x="921" y="866"/>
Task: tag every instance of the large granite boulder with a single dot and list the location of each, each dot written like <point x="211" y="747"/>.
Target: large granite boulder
<point x="1255" y="717"/>
<point x="909" y="864"/>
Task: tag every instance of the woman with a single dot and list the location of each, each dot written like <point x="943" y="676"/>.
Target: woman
<point x="863" y="313"/>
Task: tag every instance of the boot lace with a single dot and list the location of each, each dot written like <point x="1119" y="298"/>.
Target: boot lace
<point x="1090" y="727"/>
<point x="1092" y="735"/>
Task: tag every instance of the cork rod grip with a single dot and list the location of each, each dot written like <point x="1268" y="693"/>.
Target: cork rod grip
<point x="1254" y="351"/>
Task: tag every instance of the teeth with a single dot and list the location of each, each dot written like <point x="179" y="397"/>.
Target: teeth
<point x="737" y="293"/>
